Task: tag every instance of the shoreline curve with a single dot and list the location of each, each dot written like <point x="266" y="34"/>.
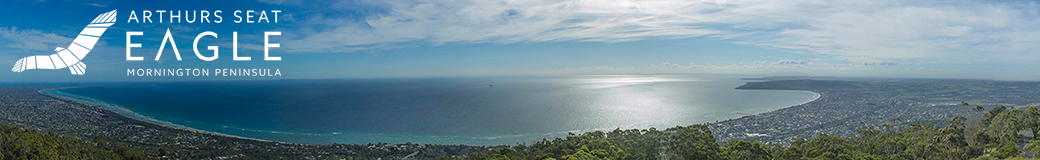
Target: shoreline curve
<point x="121" y="111"/>
<point x="54" y="92"/>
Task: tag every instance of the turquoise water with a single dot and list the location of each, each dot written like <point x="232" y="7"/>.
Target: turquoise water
<point x="475" y="111"/>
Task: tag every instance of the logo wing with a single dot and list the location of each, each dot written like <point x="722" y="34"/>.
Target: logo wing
<point x="71" y="56"/>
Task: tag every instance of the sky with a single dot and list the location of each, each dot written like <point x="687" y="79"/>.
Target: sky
<point x="379" y="39"/>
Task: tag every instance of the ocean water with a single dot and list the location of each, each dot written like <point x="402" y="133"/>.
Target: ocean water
<point x="475" y="111"/>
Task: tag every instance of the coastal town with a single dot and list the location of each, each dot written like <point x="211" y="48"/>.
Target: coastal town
<point x="847" y="106"/>
<point x="844" y="107"/>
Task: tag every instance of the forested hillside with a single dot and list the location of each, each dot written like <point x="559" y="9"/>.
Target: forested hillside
<point x="18" y="143"/>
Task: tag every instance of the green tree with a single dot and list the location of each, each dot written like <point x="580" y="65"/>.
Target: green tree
<point x="738" y="149"/>
<point x="1031" y="120"/>
<point x="1033" y="147"/>
<point x="790" y="153"/>
<point x="978" y="108"/>
<point x="694" y="142"/>
<point x="1006" y="151"/>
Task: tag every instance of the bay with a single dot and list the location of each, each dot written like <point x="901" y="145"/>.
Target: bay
<point x="458" y="110"/>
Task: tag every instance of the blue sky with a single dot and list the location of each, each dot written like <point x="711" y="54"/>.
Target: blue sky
<point x="373" y="39"/>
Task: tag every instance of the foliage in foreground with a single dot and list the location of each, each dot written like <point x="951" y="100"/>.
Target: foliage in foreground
<point x="988" y="135"/>
<point x="18" y="143"/>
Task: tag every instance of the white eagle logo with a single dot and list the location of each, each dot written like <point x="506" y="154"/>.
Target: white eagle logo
<point x="72" y="56"/>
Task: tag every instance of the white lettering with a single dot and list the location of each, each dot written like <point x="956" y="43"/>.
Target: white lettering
<point x="268" y="46"/>
<point x="195" y="46"/>
<point x="132" y="45"/>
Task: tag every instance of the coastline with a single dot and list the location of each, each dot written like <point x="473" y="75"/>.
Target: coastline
<point x="126" y="113"/>
<point x="120" y="111"/>
<point x="818" y="96"/>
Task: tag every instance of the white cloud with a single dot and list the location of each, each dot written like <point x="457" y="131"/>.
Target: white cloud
<point x="507" y="22"/>
<point x="902" y="30"/>
<point x="29" y="39"/>
<point x="96" y="5"/>
<point x="792" y="62"/>
<point x="880" y="63"/>
<point x="857" y="31"/>
<point x="757" y="67"/>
